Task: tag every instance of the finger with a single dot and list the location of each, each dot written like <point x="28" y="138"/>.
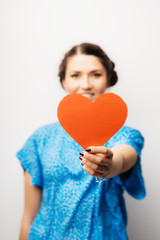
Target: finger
<point x="93" y="172"/>
<point x="99" y="160"/>
<point x="92" y="165"/>
<point x="100" y="149"/>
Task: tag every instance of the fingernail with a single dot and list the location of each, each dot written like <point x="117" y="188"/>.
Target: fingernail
<point x="88" y="149"/>
<point x="80" y="157"/>
<point x="81" y="153"/>
<point x="82" y="164"/>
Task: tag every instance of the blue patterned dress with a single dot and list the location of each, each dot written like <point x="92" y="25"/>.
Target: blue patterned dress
<point x="74" y="205"/>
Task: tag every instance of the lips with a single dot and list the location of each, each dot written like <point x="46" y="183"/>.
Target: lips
<point x="88" y="95"/>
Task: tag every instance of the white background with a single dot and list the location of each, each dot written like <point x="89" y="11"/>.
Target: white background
<point x="34" y="35"/>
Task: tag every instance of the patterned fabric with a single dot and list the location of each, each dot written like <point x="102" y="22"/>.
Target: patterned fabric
<point x="74" y="205"/>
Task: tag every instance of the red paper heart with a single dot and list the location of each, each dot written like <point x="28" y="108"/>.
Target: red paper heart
<point x="92" y="124"/>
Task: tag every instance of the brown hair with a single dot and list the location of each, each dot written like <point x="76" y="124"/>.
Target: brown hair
<point x="90" y="49"/>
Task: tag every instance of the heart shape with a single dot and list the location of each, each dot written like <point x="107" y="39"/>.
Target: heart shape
<point x="92" y="124"/>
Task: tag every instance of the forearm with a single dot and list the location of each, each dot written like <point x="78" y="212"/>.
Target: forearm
<point x="124" y="158"/>
<point x="25" y="227"/>
<point x="33" y="196"/>
<point x="103" y="162"/>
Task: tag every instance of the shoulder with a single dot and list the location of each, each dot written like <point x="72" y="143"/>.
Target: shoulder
<point x="127" y="131"/>
<point x="42" y="136"/>
<point x="46" y="131"/>
<point x="127" y="135"/>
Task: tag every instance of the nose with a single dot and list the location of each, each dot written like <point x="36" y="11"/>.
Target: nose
<point x="86" y="83"/>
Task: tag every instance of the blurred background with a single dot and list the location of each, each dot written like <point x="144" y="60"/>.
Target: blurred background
<point x="34" y="35"/>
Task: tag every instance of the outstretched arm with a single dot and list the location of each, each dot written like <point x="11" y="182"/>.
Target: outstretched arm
<point x="104" y="162"/>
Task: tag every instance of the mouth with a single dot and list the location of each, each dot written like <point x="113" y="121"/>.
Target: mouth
<point x="88" y="95"/>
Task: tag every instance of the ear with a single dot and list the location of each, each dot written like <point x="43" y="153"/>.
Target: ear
<point x="108" y="80"/>
<point x="63" y="83"/>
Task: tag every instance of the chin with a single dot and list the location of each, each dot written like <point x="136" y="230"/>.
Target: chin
<point x="93" y="98"/>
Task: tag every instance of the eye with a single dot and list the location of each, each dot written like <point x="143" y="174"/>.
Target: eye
<point x="96" y="75"/>
<point x="75" y="75"/>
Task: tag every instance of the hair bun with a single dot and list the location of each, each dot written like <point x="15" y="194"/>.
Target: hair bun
<point x="114" y="78"/>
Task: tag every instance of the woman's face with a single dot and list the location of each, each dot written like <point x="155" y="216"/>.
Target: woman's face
<point x="85" y="75"/>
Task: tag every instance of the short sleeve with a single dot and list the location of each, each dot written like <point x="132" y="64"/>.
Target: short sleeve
<point x="30" y="162"/>
<point x="132" y="181"/>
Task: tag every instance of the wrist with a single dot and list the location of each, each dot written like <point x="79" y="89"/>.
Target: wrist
<point x="117" y="163"/>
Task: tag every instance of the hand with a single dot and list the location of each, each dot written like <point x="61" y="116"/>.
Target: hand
<point x="97" y="161"/>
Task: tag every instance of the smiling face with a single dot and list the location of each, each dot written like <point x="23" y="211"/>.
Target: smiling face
<point x="85" y="75"/>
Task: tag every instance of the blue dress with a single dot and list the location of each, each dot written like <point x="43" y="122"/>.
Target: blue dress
<point x="74" y="205"/>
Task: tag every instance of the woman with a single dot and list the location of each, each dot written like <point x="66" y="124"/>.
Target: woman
<point x="62" y="198"/>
